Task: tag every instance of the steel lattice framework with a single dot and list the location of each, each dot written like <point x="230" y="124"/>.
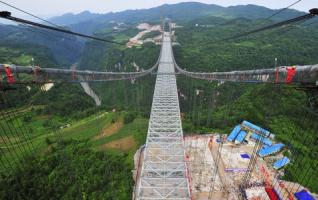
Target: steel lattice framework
<point x="164" y="171"/>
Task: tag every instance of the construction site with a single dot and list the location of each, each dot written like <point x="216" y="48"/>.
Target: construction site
<point x="246" y="164"/>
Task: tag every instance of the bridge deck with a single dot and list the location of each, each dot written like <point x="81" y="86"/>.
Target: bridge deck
<point x="164" y="171"/>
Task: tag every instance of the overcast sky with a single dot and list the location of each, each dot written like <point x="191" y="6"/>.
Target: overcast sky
<point x="49" y="8"/>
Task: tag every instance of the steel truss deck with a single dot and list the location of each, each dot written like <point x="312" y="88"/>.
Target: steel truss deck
<point x="164" y="171"/>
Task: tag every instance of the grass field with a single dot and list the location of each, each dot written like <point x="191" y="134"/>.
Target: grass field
<point x="87" y="128"/>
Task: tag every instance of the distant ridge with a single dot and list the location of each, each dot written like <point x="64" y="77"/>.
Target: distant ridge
<point x="179" y="11"/>
<point x="70" y="18"/>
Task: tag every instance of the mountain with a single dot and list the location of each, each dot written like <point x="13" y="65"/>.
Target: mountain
<point x="177" y="12"/>
<point x="70" y="18"/>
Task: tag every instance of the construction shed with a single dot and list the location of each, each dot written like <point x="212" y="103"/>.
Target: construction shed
<point x="234" y="133"/>
<point x="270" y="150"/>
<point x="240" y="137"/>
<point x="255" y="128"/>
<point x="281" y="163"/>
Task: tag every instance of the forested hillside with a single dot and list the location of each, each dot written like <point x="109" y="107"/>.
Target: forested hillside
<point x="202" y="48"/>
<point x="49" y="48"/>
<point x="86" y="174"/>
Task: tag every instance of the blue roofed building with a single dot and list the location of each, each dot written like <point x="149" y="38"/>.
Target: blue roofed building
<point x="255" y="128"/>
<point x="234" y="133"/>
<point x="270" y="150"/>
<point x="240" y="137"/>
<point x="281" y="163"/>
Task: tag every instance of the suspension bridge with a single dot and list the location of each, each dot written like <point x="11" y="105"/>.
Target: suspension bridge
<point x="306" y="74"/>
<point x="164" y="172"/>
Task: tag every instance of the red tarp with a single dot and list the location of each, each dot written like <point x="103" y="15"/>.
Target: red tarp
<point x="291" y="71"/>
<point x="9" y="75"/>
<point x="271" y="193"/>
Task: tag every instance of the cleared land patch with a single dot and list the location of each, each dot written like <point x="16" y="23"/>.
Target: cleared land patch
<point x="110" y="130"/>
<point x="123" y="144"/>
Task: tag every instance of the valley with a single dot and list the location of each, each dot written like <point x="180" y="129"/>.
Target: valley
<point x="83" y="140"/>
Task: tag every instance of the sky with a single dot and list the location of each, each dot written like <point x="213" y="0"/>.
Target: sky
<point x="50" y="8"/>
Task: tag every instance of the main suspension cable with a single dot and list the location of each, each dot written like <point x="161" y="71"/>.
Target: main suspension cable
<point x="312" y="13"/>
<point x="7" y="15"/>
<point x="278" y="12"/>
<point x="28" y="13"/>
